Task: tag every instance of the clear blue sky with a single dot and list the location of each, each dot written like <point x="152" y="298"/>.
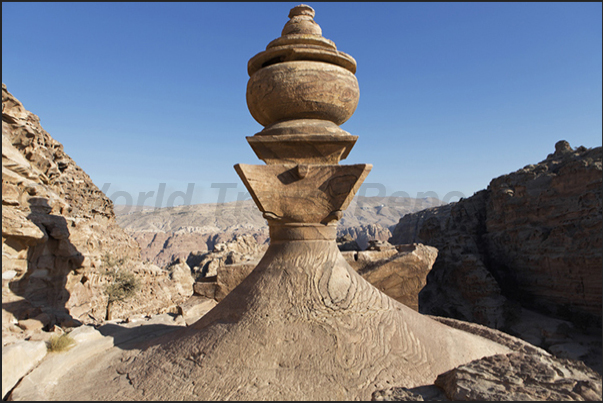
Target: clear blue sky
<point x="451" y="94"/>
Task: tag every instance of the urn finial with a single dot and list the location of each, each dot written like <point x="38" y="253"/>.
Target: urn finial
<point x="301" y="88"/>
<point x="301" y="22"/>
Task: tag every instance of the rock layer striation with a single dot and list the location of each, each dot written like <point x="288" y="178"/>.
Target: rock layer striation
<point x="533" y="237"/>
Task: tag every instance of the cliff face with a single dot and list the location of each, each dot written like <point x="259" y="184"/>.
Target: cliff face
<point x="532" y="237"/>
<point x="61" y="245"/>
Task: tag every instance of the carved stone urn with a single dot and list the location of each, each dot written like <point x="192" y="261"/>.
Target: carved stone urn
<point x="301" y="89"/>
<point x="303" y="325"/>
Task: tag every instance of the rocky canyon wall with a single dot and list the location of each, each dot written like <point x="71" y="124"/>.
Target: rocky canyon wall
<point x="61" y="245"/>
<point x="533" y="237"/>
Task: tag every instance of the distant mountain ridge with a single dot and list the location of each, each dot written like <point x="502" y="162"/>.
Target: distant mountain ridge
<point x="165" y="234"/>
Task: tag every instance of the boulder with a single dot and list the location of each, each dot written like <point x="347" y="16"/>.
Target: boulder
<point x="399" y="272"/>
<point x="17" y="360"/>
<point x="195" y="307"/>
<point x="521" y="377"/>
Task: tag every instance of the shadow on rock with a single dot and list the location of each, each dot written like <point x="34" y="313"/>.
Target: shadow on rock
<point x="49" y="262"/>
<point x="139" y="336"/>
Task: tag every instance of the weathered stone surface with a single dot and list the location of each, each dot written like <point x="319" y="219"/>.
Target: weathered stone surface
<point x="161" y="291"/>
<point x="17" y="360"/>
<point x="303" y="193"/>
<point x="195" y="307"/>
<point x="289" y="143"/>
<point x="320" y="91"/>
<point x="521" y="377"/>
<point x="418" y="394"/>
<point x="544" y="230"/>
<point x="364" y="234"/>
<point x="241" y="249"/>
<point x="289" y="332"/>
<point x="206" y="289"/>
<point x="231" y="275"/>
<point x="61" y="245"/>
<point x="56" y="222"/>
<point x="400" y="272"/>
<point x="347" y="244"/>
<point x="166" y="234"/>
<point x="534" y="236"/>
<point x="303" y="324"/>
<point x="30" y="324"/>
<point x="35" y="386"/>
<point x="459" y="285"/>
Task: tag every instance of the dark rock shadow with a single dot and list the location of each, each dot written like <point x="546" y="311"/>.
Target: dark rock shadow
<point x="139" y="336"/>
<point x="49" y="262"/>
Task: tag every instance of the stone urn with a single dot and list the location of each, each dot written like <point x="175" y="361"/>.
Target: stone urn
<point x="301" y="75"/>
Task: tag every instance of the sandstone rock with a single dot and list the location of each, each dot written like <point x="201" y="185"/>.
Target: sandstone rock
<point x="165" y="234"/>
<point x="241" y="249"/>
<point x="303" y="325"/>
<point x="347" y="243"/>
<point x="17" y="360"/>
<point x="62" y="249"/>
<point x="418" y="394"/>
<point x="89" y="343"/>
<point x="30" y="324"/>
<point x="183" y="280"/>
<point x="534" y="236"/>
<point x="396" y="395"/>
<point x="194" y="308"/>
<point x="206" y="289"/>
<point x="161" y="291"/>
<point x="366" y="233"/>
<point x="231" y="275"/>
<point x="398" y="272"/>
<point x="521" y="377"/>
<point x="53" y="217"/>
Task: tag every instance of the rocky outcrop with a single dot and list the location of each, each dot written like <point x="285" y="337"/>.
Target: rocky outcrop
<point x="527" y="373"/>
<point x="163" y="248"/>
<point x="18" y="359"/>
<point x="61" y="246"/>
<point x="239" y="250"/>
<point x="459" y="285"/>
<point x="365" y="233"/>
<point x="521" y="377"/>
<point x="220" y="271"/>
<point x="65" y="261"/>
<point x="56" y="225"/>
<point x="533" y="237"/>
<point x="400" y="271"/>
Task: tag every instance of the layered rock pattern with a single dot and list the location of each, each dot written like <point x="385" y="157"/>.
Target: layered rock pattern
<point x="534" y="237"/>
<point x="168" y="234"/>
<point x="303" y="324"/>
<point x="521" y="377"/>
<point x="61" y="245"/>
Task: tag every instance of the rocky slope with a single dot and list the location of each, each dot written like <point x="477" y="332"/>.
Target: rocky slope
<point x="167" y="234"/>
<point x="532" y="240"/>
<point x="62" y="250"/>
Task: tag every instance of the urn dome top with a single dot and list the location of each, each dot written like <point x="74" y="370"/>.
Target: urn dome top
<point x="301" y="39"/>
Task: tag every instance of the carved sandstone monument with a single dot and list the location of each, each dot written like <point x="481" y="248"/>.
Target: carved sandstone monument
<point x="304" y="324"/>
